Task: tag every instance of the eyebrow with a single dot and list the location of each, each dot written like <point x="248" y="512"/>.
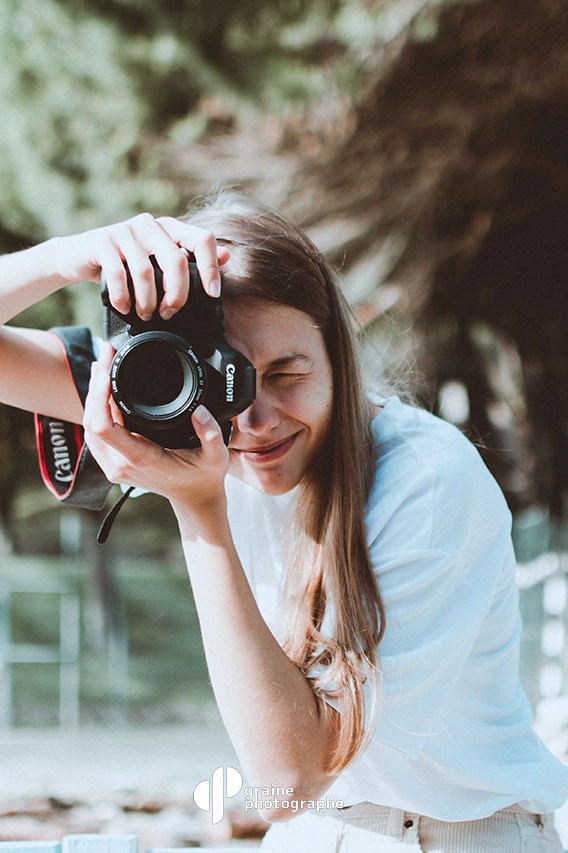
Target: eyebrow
<point x="287" y="360"/>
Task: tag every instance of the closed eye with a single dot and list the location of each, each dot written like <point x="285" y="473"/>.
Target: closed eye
<point x="279" y="376"/>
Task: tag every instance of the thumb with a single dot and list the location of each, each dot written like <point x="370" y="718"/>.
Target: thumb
<point x="106" y="355"/>
<point x="209" y="434"/>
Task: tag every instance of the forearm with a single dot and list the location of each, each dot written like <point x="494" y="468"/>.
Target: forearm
<point x="27" y="277"/>
<point x="270" y="711"/>
<point x="34" y="374"/>
<point x="267" y="704"/>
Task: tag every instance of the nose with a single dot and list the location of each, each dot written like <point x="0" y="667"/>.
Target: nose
<point x="260" y="417"/>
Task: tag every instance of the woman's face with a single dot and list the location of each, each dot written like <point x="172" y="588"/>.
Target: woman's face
<point x="275" y="439"/>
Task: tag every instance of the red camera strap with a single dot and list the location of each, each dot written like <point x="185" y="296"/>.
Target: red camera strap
<point x="67" y="468"/>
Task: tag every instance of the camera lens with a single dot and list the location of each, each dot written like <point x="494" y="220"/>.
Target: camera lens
<point x="154" y="376"/>
<point x="157" y="378"/>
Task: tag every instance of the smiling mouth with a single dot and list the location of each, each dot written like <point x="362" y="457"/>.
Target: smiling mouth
<point x="268" y="454"/>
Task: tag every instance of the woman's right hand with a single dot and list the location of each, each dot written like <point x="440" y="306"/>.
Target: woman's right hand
<point x="81" y="257"/>
<point x="34" y="373"/>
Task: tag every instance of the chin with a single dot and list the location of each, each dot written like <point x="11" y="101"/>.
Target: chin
<point x="264" y="482"/>
<point x="276" y="490"/>
<point x="267" y="486"/>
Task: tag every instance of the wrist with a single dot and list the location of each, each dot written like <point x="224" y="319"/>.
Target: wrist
<point x="205" y="519"/>
<point x="67" y="258"/>
<point x="38" y="265"/>
<point x="27" y="277"/>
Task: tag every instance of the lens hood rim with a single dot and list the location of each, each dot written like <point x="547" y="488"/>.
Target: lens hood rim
<point x="162" y="419"/>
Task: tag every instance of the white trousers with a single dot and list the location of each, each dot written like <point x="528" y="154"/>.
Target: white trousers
<point x="366" y="828"/>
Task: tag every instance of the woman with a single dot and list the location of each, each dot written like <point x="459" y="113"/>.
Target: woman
<point x="350" y="558"/>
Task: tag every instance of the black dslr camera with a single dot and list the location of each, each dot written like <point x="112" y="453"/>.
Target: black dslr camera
<point x="163" y="369"/>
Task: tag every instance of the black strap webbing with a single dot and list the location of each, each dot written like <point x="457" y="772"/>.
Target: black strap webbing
<point x="67" y="467"/>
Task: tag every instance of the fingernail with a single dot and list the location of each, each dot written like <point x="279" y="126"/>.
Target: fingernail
<point x="167" y="313"/>
<point x="146" y="317"/>
<point x="215" y="287"/>
<point x="201" y="415"/>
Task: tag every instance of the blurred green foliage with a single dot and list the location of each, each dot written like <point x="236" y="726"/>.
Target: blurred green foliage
<point x="91" y="92"/>
<point x="86" y="88"/>
<point x="70" y="121"/>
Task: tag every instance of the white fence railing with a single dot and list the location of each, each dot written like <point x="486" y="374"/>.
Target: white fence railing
<point x="64" y="653"/>
<point x="543" y="585"/>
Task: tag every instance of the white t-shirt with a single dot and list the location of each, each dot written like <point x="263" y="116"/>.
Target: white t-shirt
<point x="453" y="737"/>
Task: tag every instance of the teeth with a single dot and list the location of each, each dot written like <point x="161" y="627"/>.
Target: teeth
<point x="268" y="449"/>
<point x="261" y="450"/>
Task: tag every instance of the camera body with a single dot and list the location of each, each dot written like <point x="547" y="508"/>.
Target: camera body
<point x="163" y="369"/>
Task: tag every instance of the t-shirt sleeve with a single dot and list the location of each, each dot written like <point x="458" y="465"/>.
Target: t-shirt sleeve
<point x="439" y="536"/>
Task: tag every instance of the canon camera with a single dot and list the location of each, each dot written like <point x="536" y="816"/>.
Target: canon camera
<point x="163" y="369"/>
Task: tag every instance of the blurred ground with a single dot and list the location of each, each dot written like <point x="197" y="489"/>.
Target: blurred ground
<point x="121" y="781"/>
<point x="129" y="780"/>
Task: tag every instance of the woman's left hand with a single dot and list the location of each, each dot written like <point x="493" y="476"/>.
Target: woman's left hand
<point x="191" y="479"/>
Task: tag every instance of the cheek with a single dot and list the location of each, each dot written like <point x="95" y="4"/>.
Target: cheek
<point x="317" y="410"/>
<point x="326" y="415"/>
<point x="307" y="403"/>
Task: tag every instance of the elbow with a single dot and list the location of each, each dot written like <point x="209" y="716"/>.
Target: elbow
<point x="275" y="815"/>
<point x="278" y="805"/>
<point x="304" y="777"/>
<point x="282" y="812"/>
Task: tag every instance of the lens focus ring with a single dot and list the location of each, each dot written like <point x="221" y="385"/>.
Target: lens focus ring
<point x="156" y="378"/>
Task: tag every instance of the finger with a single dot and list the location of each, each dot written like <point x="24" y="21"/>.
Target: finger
<point x="148" y="237"/>
<point x="171" y="258"/>
<point x="205" y="251"/>
<point x="137" y="258"/>
<point x="104" y="362"/>
<point x="175" y="269"/>
<point x="209" y="434"/>
<point x="111" y="262"/>
<point x="106" y="355"/>
<point x="97" y="418"/>
<point x="123" y="248"/>
<point x="223" y="255"/>
<point x="102" y="431"/>
<point x="116" y="412"/>
<point x="203" y="245"/>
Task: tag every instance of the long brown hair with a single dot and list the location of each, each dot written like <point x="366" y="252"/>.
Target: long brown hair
<point x="330" y="576"/>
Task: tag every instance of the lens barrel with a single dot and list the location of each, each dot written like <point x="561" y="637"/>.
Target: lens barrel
<point x="156" y="378"/>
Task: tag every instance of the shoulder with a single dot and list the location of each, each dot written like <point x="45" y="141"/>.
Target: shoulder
<point x="412" y="434"/>
<point x="430" y="481"/>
